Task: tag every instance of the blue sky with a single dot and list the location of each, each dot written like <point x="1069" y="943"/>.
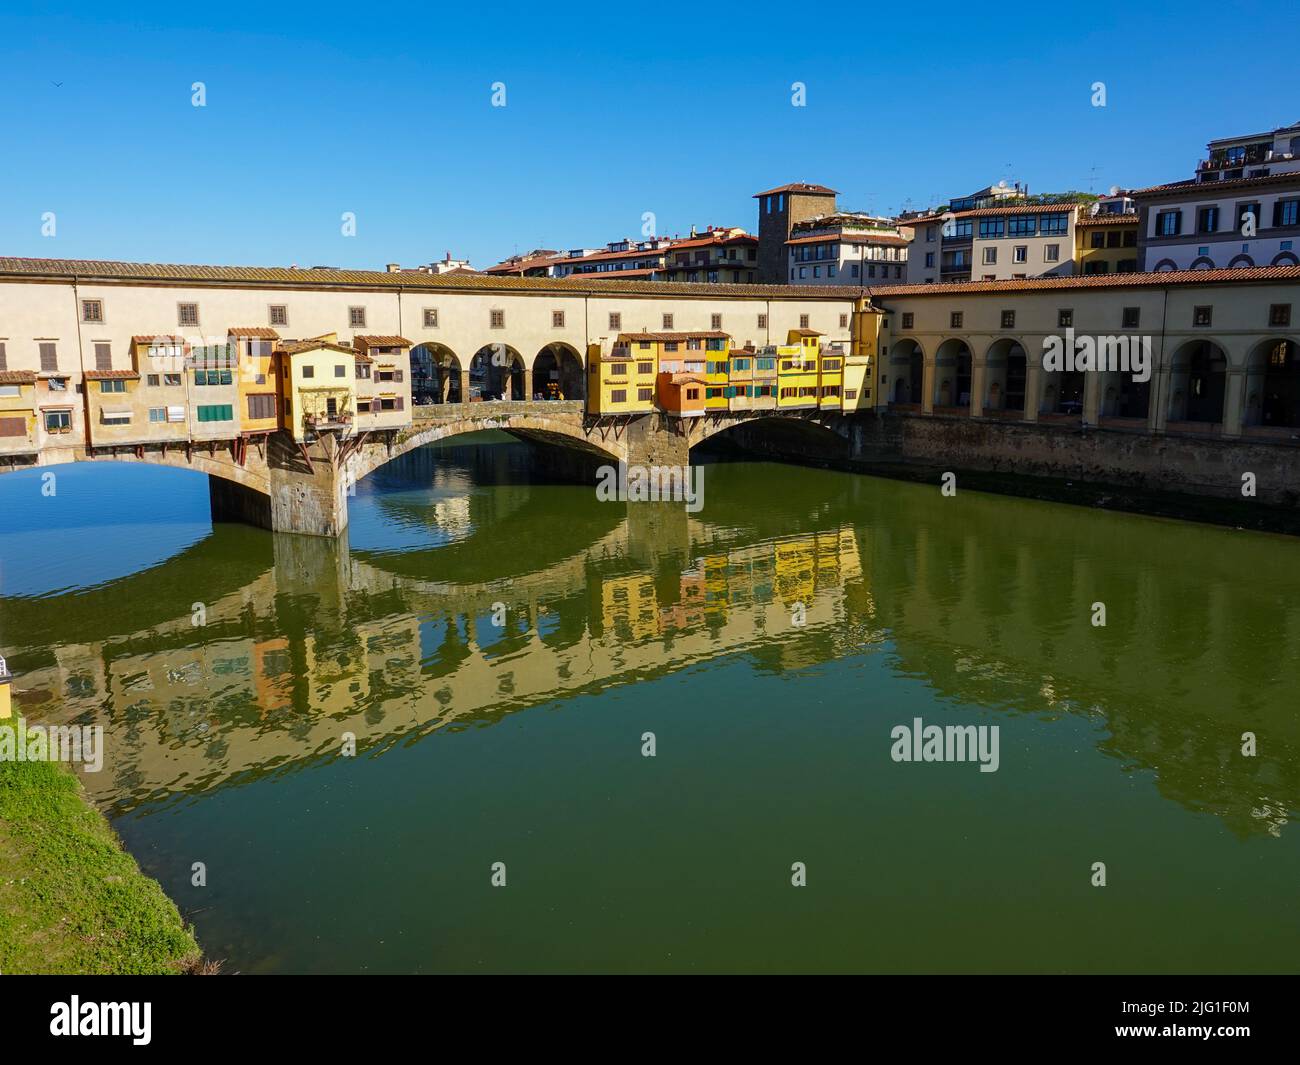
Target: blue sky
<point x="613" y="109"/>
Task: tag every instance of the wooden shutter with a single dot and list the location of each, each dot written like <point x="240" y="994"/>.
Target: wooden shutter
<point x="3" y="365"/>
<point x="399" y="403"/>
<point x="103" y="357"/>
<point x="397" y="375"/>
<point x="49" y="358"/>
<point x="13" y="426"/>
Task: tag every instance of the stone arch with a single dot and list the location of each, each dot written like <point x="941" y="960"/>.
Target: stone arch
<point x="1198" y="377"/>
<point x="436" y="375"/>
<point x="1202" y="262"/>
<point x="1272" y="394"/>
<point x="1006" y="378"/>
<point x="558" y="372"/>
<point x="498" y="371"/>
<point x="1285" y="258"/>
<point x="953" y="374"/>
<point x="1242" y="260"/>
<point x="833" y="425"/>
<point x="1164" y="265"/>
<point x="559" y="430"/>
<point x="907" y="366"/>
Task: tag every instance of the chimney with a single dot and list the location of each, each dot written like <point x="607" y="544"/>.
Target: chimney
<point x="394" y="268"/>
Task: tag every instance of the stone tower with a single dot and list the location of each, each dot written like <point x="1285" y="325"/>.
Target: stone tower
<point x="778" y="210"/>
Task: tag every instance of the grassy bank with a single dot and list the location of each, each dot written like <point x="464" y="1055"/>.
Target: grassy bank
<point x="71" y="899"/>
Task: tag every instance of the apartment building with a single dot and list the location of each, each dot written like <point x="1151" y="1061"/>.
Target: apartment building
<point x="720" y="255"/>
<point x="1106" y="243"/>
<point x="1241" y="209"/>
<point x="846" y="249"/>
<point x="1004" y="243"/>
<point x="622" y="259"/>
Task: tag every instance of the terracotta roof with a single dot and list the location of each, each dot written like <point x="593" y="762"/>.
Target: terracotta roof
<point x="298" y="347"/>
<point x="256" y="332"/>
<point x="703" y="335"/>
<point x="710" y="239"/>
<point x="807" y="332"/>
<point x="887" y="239"/>
<point x="157" y="339"/>
<point x="688" y="378"/>
<point x="1106" y="220"/>
<point x="1192" y="185"/>
<point x="381" y="341"/>
<point x="111" y="375"/>
<point x="278" y="276"/>
<point x="612" y="256"/>
<point x="1136" y="280"/>
<point x="798" y="186"/>
<point x="17" y="377"/>
<point x="619" y="275"/>
<point x="986" y="212"/>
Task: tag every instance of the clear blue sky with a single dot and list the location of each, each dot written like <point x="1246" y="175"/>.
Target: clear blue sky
<point x="613" y="109"/>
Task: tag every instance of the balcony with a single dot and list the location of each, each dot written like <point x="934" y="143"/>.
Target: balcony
<point x="327" y="420"/>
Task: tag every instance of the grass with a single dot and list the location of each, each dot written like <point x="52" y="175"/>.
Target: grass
<point x="71" y="899"/>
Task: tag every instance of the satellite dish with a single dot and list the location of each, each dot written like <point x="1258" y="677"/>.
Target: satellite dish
<point x="1002" y="184"/>
<point x="1114" y="190"/>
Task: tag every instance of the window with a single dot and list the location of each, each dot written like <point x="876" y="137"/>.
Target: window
<point x="1020" y="253"/>
<point x="3" y="364"/>
<point x="279" y="314"/>
<point x="616" y="321"/>
<point x="1207" y="219"/>
<point x="1169" y="223"/>
<point x="1008" y="319"/>
<point x="217" y="412"/>
<point x="844" y="321"/>
<point x="187" y="314"/>
<point x="157" y="414"/>
<point x="908" y="318"/>
<point x="115" y="417"/>
<point x="171" y="380"/>
<point x="803" y="321"/>
<point x="261" y="407"/>
<point x="49" y="357"/>
<point x="58" y="421"/>
<point x="803" y="272"/>
<point x="1099" y="240"/>
<point x="990" y="228"/>
<point x="929" y="259"/>
<point x="990" y="256"/>
<point x="103" y="356"/>
<point x="1054" y="225"/>
<point x="762" y="321"/>
<point x="216" y="377"/>
<point x="1065" y="318"/>
<point x="1051" y="253"/>
<point x="340" y="370"/>
<point x="1286" y="212"/>
<point x="1022" y="226"/>
<point x="153" y="380"/>
<point x="618" y="395"/>
<point x="497" y="319"/>
<point x="1251" y="209"/>
<point x="114" y="385"/>
<point x="357" y="317"/>
<point x="363" y="371"/>
<point x="618" y="369"/>
<point x="715" y="321"/>
<point x="645" y="394"/>
<point x="1202" y="315"/>
<point x="430" y="317"/>
<point x="307" y="371"/>
<point x="1279" y="314"/>
<point x="668" y="321"/>
<point x="92" y="311"/>
<point x="1131" y="317"/>
<point x="692" y="393"/>
<point x="557" y="319"/>
<point x="954" y="319"/>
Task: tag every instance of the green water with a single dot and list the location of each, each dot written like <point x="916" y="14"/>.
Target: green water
<point x="226" y="666"/>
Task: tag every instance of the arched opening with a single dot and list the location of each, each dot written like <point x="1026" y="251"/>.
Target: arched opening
<point x="952" y="377"/>
<point x="907" y="364"/>
<point x="772" y="437"/>
<point x="435" y="375"/>
<point x="1273" y="385"/>
<point x="557" y="373"/>
<point x="1197" y="384"/>
<point x="1005" y="379"/>
<point x="497" y="372"/>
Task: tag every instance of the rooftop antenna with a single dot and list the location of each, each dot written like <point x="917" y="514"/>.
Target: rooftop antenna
<point x="1092" y="177"/>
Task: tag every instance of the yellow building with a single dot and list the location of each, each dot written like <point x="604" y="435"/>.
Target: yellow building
<point x="253" y="348"/>
<point x="1107" y="244"/>
<point x="860" y="363"/>
<point x="17" y="412"/>
<point x="383" y="365"/>
<point x="830" y="374"/>
<point x="797" y="370"/>
<point x="622" y="379"/>
<point x="717" y="380"/>
<point x="318" y="386"/>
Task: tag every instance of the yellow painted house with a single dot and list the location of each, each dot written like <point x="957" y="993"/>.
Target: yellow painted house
<point x="621" y="378"/>
<point x="318" y="389"/>
<point x="717" y="380"/>
<point x="259" y="379"/>
<point x="860" y="363"/>
<point x="830" y="373"/>
<point x="17" y="412"/>
<point x="797" y="370"/>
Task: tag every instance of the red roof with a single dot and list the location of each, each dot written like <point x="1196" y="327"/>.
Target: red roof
<point x="985" y="212"/>
<point x="111" y="375"/>
<point x="255" y="332"/>
<point x="1153" y="279"/>
<point x="799" y="186"/>
<point x="1191" y="185"/>
<point x="888" y="239"/>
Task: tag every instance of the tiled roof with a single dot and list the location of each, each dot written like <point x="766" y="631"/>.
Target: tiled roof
<point x="255" y="332"/>
<point x="298" y="347"/>
<point x="807" y="333"/>
<point x="381" y="342"/>
<point x="157" y="338"/>
<point x="710" y="334"/>
<point x="986" y="212"/>
<point x="520" y="265"/>
<point x="618" y="275"/>
<point x="1192" y="185"/>
<point x="17" y="377"/>
<point x="1107" y="220"/>
<point x="888" y="239"/>
<point x="1154" y="279"/>
<point x="710" y="239"/>
<point x="798" y="186"/>
<point x="111" y="375"/>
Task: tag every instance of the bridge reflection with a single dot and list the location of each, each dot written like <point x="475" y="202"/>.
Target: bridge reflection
<point x="306" y="639"/>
